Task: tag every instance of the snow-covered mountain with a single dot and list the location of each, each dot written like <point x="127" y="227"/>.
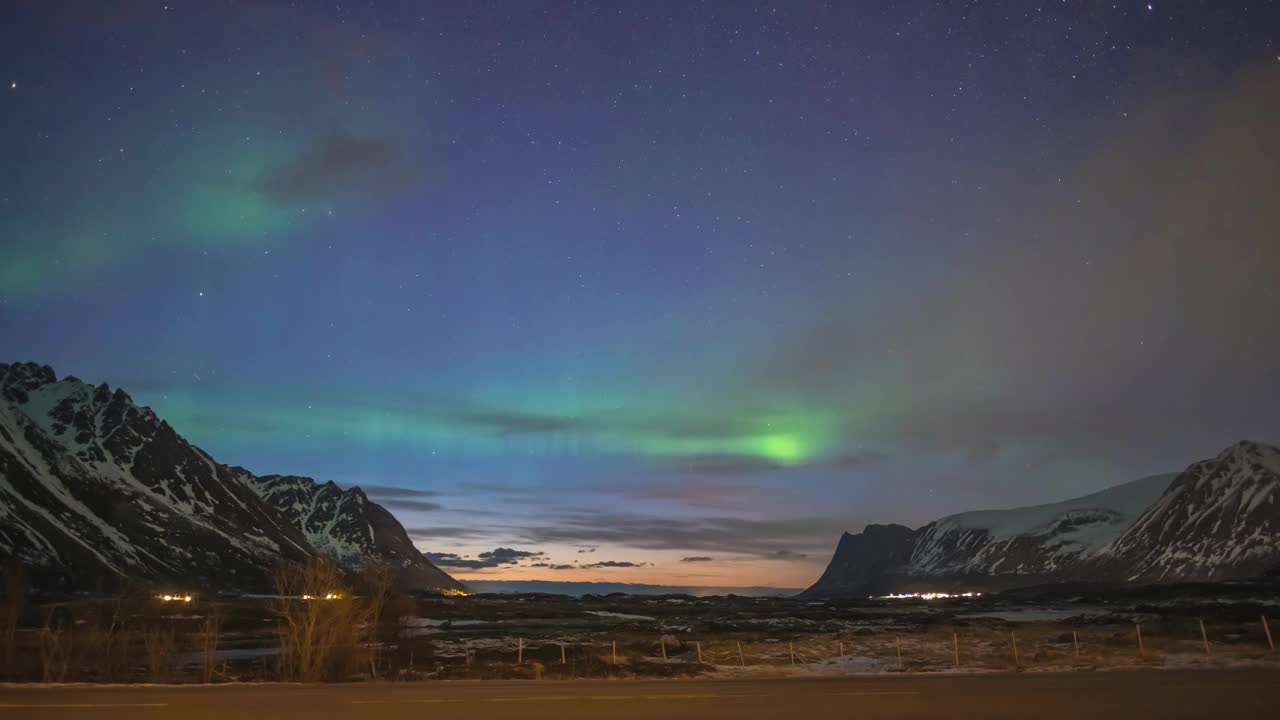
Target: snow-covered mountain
<point x="348" y="526"/>
<point x="1217" y="520"/>
<point x="1038" y="540"/>
<point x="94" y="489"/>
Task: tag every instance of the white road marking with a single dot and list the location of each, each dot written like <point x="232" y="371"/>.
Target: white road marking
<point x="882" y="692"/>
<point x="82" y="705"/>
<point x="408" y="700"/>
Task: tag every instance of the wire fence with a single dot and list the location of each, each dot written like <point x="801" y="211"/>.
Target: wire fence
<point x="968" y="648"/>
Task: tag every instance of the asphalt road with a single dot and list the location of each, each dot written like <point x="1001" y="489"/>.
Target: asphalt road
<point x="1091" y="696"/>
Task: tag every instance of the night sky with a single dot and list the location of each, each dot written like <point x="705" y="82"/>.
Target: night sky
<point x="658" y="291"/>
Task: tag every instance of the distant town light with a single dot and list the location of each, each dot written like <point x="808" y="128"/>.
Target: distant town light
<point x="925" y="596"/>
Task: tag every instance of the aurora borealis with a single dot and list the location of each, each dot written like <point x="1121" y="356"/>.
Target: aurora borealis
<point x="678" y="291"/>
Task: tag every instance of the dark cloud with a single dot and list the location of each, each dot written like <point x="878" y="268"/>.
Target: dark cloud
<point x="586" y="550"/>
<point x="786" y="555"/>
<point x="404" y="504"/>
<point x="489" y="559"/>
<point x="392" y="491"/>
<point x="711" y="534"/>
<point x="336" y="166"/>
<point x="509" y="556"/>
<point x="456" y="532"/>
<point x="697" y="559"/>
<point x="552" y="566"/>
<point x="615" y="564"/>
<point x="711" y="493"/>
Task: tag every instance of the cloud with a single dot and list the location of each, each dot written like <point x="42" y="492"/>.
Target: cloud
<point x="552" y="566"/>
<point x="334" y="166"/>
<point x="586" y="550"/>
<point x="489" y="559"/>
<point x="414" y="505"/>
<point x="786" y="555"/>
<point x="615" y="564"/>
<point x="455" y="532"/>
<point x="509" y="556"/>
<point x="709" y="534"/>
<point x="697" y="559"/>
<point x="392" y="491"/>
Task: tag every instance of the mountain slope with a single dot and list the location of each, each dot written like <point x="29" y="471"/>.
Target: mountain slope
<point x="1036" y="540"/>
<point x="94" y="488"/>
<point x="1217" y="520"/>
<point x="346" y="525"/>
<point x="865" y="561"/>
<point x="1220" y="518"/>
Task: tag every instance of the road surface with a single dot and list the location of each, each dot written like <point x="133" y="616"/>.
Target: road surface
<point x="1091" y="696"/>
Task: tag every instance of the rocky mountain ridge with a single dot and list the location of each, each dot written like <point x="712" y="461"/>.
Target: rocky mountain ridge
<point x="1217" y="520"/>
<point x="95" y="489"/>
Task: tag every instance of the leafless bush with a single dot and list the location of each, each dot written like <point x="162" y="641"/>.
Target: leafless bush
<point x="318" y="622"/>
<point x="16" y="589"/>
<point x="209" y="635"/>
<point x="55" y="648"/>
<point x="159" y="642"/>
<point x="376" y="582"/>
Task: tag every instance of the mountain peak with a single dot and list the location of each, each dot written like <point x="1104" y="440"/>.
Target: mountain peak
<point x="97" y="488"/>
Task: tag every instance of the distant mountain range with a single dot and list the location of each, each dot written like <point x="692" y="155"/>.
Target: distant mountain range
<point x="578" y="589"/>
<point x="94" y="489"/>
<point x="1217" y="520"/>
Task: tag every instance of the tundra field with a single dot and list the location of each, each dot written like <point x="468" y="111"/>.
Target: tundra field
<point x="213" y="639"/>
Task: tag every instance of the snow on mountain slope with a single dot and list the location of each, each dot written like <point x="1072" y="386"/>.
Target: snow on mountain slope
<point x="1219" y="518"/>
<point x="349" y="527"/>
<point x="1036" y="540"/>
<point x="94" y="488"/>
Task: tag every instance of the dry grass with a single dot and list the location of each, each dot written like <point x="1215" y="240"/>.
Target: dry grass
<point x="160" y="643"/>
<point x="208" y="638"/>
<point x="16" y="589"/>
<point x="55" y="648"/>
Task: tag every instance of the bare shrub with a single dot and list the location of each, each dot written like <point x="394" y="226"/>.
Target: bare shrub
<point x="16" y="590"/>
<point x="375" y="580"/>
<point x="209" y="635"/>
<point x="318" y="622"/>
<point x="159" y="642"/>
<point x="55" y="648"/>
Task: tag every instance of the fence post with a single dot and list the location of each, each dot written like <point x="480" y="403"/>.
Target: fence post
<point x="1267" y="629"/>
<point x="898" y="639"/>
<point x="466" y="651"/>
<point x="663" y="643"/>
<point x="843" y="667"/>
<point x="698" y="643"/>
<point x="741" y="662"/>
<point x="519" y="651"/>
<point x="615" y="652"/>
<point x="1013" y="638"/>
<point x="1075" y="640"/>
<point x="955" y="646"/>
<point x="1205" y="637"/>
<point x="1142" y="651"/>
<point x="791" y="648"/>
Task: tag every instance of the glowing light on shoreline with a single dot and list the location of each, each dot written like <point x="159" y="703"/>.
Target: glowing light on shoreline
<point x="925" y="596"/>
